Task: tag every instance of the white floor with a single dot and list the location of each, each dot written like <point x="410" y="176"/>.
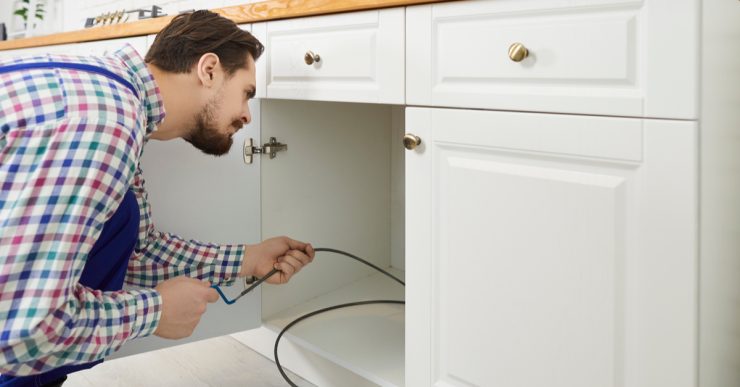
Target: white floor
<point x="221" y="361"/>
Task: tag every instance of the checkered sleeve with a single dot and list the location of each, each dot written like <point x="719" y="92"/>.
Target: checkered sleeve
<point x="61" y="181"/>
<point x="161" y="255"/>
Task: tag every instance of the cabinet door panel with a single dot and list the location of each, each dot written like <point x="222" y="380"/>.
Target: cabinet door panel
<point x="548" y="250"/>
<point x="609" y="57"/>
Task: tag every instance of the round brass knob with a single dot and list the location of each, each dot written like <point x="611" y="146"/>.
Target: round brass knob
<point x="310" y="57"/>
<point x="517" y="52"/>
<point x="411" y="141"/>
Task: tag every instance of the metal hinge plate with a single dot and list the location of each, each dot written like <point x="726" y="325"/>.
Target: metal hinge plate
<point x="270" y="148"/>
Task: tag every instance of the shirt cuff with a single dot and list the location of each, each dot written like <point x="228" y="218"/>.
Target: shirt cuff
<point x="148" y="312"/>
<point x="231" y="258"/>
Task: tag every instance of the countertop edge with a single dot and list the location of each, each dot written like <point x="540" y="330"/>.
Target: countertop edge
<point x="241" y="14"/>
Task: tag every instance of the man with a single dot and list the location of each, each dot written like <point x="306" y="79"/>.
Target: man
<point x="74" y="218"/>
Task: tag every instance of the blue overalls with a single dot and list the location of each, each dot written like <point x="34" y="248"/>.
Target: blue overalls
<point x="104" y="270"/>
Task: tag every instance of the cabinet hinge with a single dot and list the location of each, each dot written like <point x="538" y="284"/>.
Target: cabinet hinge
<point x="271" y="148"/>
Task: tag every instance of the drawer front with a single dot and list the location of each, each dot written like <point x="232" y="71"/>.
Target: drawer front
<point x="610" y="57"/>
<point x="97" y="47"/>
<point x="359" y="57"/>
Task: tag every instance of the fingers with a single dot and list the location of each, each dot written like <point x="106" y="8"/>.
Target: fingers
<point x="297" y="255"/>
<point x="288" y="266"/>
<point x="296" y="245"/>
<point x="302" y="246"/>
<point x="292" y="263"/>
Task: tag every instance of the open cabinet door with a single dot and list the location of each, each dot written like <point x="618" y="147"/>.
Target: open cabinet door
<point x="210" y="199"/>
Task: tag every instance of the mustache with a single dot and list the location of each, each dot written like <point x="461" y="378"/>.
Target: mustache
<point x="237" y="125"/>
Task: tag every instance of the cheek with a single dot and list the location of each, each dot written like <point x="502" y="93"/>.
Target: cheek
<point x="232" y="107"/>
<point x="225" y="111"/>
<point x="227" y="108"/>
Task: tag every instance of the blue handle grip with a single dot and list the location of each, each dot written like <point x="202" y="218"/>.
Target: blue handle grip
<point x="245" y="291"/>
<point x="223" y="296"/>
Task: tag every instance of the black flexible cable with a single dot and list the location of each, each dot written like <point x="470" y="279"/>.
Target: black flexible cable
<point x="319" y="249"/>
<point x="324" y="310"/>
<point x="274" y="271"/>
<point x="305" y="316"/>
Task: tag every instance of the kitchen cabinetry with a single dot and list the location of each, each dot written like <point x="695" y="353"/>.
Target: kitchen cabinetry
<point x="571" y="249"/>
<point x="355" y="57"/>
<point x="606" y="57"/>
<point x="101" y="47"/>
<point x="568" y="216"/>
<point x="539" y="248"/>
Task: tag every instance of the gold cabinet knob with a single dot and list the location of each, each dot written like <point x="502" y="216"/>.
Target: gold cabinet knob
<point x="310" y="57"/>
<point x="411" y="141"/>
<point x="517" y="52"/>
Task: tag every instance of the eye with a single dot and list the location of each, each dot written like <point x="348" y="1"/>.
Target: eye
<point x="249" y="94"/>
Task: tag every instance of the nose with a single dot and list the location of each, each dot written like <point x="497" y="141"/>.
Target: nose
<point x="246" y="115"/>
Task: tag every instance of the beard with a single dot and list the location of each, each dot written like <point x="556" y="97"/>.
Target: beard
<point x="206" y="136"/>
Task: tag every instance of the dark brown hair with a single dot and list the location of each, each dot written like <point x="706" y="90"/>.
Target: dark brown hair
<point x="181" y="43"/>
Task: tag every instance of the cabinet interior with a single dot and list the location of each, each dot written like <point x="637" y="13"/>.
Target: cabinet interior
<point x="340" y="185"/>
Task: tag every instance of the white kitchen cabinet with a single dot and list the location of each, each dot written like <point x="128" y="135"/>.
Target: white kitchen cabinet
<point x="58" y="49"/>
<point x="108" y="47"/>
<point x="649" y="255"/>
<point x="608" y="57"/>
<point x="339" y="185"/>
<point x="100" y="47"/>
<point x="581" y="231"/>
<point x="334" y="188"/>
<point x="354" y="57"/>
<point x="550" y="250"/>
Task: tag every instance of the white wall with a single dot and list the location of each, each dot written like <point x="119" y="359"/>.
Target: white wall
<point x="15" y="23"/>
<point x="75" y="12"/>
<point x="70" y="15"/>
<point x="6" y="12"/>
<point x="52" y="21"/>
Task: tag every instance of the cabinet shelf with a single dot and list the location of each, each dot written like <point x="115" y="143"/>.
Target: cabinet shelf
<point x="367" y="340"/>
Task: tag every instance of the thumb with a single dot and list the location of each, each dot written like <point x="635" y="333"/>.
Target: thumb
<point x="211" y="295"/>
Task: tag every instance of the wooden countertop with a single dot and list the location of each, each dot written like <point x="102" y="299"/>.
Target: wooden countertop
<point x="247" y="13"/>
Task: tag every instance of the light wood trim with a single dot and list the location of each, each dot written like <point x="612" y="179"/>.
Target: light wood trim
<point x="247" y="13"/>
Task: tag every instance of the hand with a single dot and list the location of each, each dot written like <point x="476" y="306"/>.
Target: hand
<point x="184" y="300"/>
<point x="282" y="253"/>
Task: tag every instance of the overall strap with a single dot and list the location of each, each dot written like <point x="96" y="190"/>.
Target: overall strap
<point x="74" y="66"/>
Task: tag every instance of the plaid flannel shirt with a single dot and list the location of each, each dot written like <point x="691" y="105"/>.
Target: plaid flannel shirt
<point x="70" y="144"/>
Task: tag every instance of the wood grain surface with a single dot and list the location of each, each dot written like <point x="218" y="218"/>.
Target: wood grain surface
<point x="247" y="13"/>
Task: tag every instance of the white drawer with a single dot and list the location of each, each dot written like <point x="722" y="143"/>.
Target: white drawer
<point x="361" y="57"/>
<point x="109" y="46"/>
<point x="97" y="47"/>
<point x="612" y="57"/>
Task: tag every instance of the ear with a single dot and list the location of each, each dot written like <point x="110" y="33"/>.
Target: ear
<point x="208" y="66"/>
